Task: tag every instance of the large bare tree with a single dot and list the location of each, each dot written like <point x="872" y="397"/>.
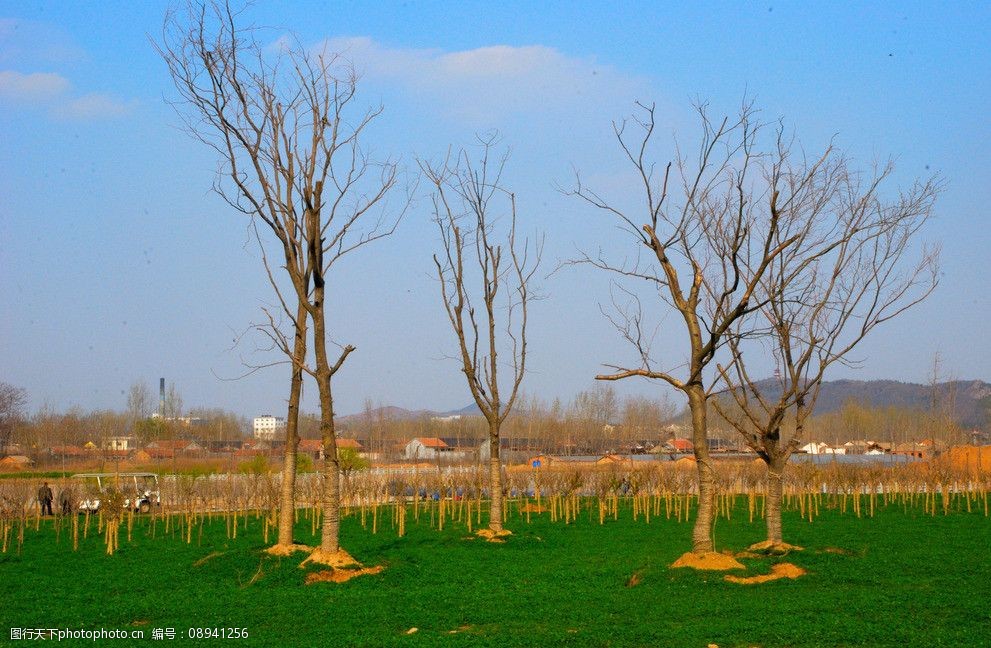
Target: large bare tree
<point x="709" y="239"/>
<point x="283" y="124"/>
<point x="12" y="402"/>
<point x="486" y="282"/>
<point x="139" y="402"/>
<point x="848" y="273"/>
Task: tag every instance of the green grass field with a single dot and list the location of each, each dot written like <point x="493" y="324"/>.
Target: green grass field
<point x="908" y="580"/>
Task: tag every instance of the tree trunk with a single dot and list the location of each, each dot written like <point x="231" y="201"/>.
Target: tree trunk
<point x="772" y="509"/>
<point x="702" y="532"/>
<point x="495" y="479"/>
<point x="287" y="496"/>
<point x="330" y="533"/>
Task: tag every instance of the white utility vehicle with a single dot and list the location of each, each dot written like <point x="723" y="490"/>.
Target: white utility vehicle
<point x="140" y="490"/>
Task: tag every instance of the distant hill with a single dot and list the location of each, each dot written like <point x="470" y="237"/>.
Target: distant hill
<point x="972" y="397"/>
<point x="393" y="413"/>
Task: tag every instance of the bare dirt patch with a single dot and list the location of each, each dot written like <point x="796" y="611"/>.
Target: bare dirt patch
<point x="708" y="561"/>
<point x="343" y="567"/>
<point x="337" y="559"/>
<point x="838" y="551"/>
<point x="493" y="536"/>
<point x="781" y="570"/>
<point x="774" y="548"/>
<point x="634" y="580"/>
<point x="340" y="575"/>
<point x="288" y="550"/>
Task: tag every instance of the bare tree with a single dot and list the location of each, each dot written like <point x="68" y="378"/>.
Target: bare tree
<point x="139" y="402"/>
<point x="288" y="138"/>
<point x="296" y="354"/>
<point x="848" y="273"/>
<point x="173" y="404"/>
<point x="12" y="402"/>
<point x="707" y="249"/>
<point x="473" y="271"/>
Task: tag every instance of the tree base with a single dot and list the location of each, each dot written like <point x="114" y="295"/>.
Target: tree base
<point x="771" y="548"/>
<point x="781" y="570"/>
<point x="710" y="561"/>
<point x="340" y="575"/>
<point x="493" y="536"/>
<point x="288" y="549"/>
<point x="337" y="559"/>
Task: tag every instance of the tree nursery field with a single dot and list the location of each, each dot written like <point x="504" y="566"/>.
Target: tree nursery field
<point x="903" y="577"/>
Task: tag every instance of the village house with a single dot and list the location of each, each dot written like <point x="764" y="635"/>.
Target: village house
<point x="678" y="446"/>
<point x="510" y="450"/>
<point x="125" y="443"/>
<point x="15" y="462"/>
<point x="911" y="449"/>
<point x="68" y="452"/>
<point x="820" y="448"/>
<point x="168" y="449"/>
<point x="436" y="448"/>
<point x="314" y="447"/>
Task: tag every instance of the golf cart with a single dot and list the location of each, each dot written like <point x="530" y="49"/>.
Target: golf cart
<point x="140" y="490"/>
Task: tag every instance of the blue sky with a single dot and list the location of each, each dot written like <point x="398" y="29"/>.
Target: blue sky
<point x="117" y="263"/>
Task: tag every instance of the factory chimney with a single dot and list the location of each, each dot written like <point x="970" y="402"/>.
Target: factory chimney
<point x="161" y="397"/>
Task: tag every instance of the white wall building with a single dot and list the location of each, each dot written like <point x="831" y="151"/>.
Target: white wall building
<point x="268" y="428"/>
<point x="120" y="443"/>
<point x="434" y="448"/>
<point x="818" y="448"/>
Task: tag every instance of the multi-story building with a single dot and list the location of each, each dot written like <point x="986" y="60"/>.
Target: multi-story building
<point x="269" y="428"/>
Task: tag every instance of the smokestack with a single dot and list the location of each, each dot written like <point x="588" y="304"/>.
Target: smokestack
<point x="161" y="396"/>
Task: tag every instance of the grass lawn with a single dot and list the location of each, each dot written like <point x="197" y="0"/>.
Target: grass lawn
<point x="909" y="580"/>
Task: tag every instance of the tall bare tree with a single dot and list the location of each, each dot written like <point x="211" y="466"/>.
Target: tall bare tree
<point x="296" y="353"/>
<point x="469" y="201"/>
<point x="139" y="402"/>
<point x="283" y="124"/>
<point x="173" y="404"/>
<point x="12" y="402"/>
<point x="848" y="273"/>
<point x="707" y="248"/>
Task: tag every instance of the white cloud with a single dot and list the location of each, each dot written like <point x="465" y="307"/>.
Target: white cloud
<point x="36" y="87"/>
<point x="51" y="91"/>
<point x="93" y="106"/>
<point x="28" y="44"/>
<point x="491" y="82"/>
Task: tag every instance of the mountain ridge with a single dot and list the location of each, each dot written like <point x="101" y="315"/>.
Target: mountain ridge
<point x="971" y="399"/>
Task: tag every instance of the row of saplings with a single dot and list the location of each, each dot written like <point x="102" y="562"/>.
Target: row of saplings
<point x="460" y="497"/>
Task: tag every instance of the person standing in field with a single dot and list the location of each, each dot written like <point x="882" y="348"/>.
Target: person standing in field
<point x="45" y="499"/>
<point x="65" y="501"/>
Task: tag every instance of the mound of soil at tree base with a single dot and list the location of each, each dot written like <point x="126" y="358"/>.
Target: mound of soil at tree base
<point x="708" y="561"/>
<point x="340" y="575"/>
<point x="288" y="550"/>
<point x="493" y="536"/>
<point x="774" y="548"/>
<point x="781" y="570"/>
<point x="337" y="559"/>
<point x="533" y="508"/>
